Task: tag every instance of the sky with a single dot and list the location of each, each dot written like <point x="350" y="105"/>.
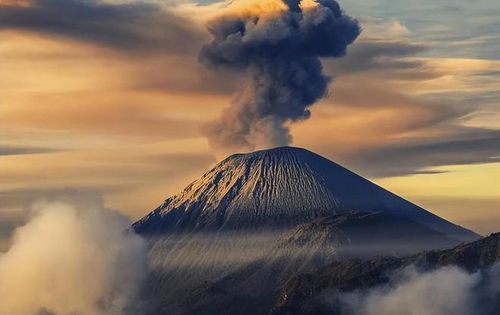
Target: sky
<point x="108" y="99"/>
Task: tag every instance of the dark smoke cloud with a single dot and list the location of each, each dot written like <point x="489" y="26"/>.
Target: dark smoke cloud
<point x="279" y="52"/>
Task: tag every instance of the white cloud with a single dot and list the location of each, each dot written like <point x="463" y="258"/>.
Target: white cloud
<point x="445" y="291"/>
<point x="70" y="259"/>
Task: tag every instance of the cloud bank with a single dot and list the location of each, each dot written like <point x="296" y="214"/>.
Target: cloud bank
<point x="138" y="26"/>
<point x="445" y="291"/>
<point x="466" y="145"/>
<point x="70" y="259"/>
<point x="408" y="103"/>
<point x="277" y="45"/>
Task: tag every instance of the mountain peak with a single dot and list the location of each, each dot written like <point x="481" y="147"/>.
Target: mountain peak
<point x="279" y="188"/>
<point x="277" y="155"/>
<point x="277" y="151"/>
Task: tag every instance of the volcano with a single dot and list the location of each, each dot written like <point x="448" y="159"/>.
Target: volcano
<point x="279" y="189"/>
<point x="231" y="240"/>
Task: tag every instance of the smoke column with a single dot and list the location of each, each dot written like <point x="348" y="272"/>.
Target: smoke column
<point x="70" y="259"/>
<point x="277" y="44"/>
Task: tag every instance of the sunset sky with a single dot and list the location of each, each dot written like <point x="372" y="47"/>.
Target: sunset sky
<point x="107" y="99"/>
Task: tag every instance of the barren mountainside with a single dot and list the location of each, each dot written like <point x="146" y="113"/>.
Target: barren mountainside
<point x="280" y="188"/>
<point x="232" y="239"/>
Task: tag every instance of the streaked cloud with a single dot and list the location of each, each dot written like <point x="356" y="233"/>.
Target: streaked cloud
<point x="18" y="150"/>
<point x="132" y="26"/>
<point x="465" y="146"/>
<point x="401" y="114"/>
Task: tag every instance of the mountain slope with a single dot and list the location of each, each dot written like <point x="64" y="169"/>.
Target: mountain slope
<point x="302" y="250"/>
<point x="234" y="237"/>
<point x="364" y="234"/>
<point x="278" y="189"/>
<point x="304" y="294"/>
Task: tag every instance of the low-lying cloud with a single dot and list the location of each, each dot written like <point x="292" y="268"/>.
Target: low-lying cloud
<point x="71" y="259"/>
<point x="445" y="291"/>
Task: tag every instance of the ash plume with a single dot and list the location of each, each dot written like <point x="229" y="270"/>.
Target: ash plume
<point x="277" y="45"/>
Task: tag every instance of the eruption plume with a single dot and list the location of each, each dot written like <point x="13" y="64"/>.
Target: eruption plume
<point x="277" y="44"/>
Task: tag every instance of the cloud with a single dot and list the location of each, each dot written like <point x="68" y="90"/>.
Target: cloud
<point x="172" y="97"/>
<point x="483" y="220"/>
<point x="133" y="177"/>
<point x="463" y="146"/>
<point x="277" y="46"/>
<point x="378" y="28"/>
<point x="18" y="150"/>
<point x="401" y="114"/>
<point x="133" y="26"/>
<point x="378" y="55"/>
<point x="445" y="291"/>
<point x="104" y="113"/>
<point x="72" y="259"/>
<point x="103" y="104"/>
<point x="16" y="204"/>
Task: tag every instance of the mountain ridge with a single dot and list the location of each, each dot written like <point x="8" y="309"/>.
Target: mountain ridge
<point x="302" y="294"/>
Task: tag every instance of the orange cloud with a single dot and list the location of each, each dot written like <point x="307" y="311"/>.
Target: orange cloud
<point x="18" y="3"/>
<point x="127" y="125"/>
